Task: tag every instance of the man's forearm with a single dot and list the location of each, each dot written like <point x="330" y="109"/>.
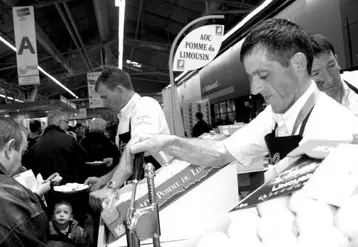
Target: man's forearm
<point x="198" y="151"/>
<point x="109" y="175"/>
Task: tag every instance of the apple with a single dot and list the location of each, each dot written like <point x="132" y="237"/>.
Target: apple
<point x="242" y="223"/>
<point x="314" y="215"/>
<point x="346" y="218"/>
<point x="282" y="241"/>
<point x="273" y="205"/>
<point x="249" y="240"/>
<point x="213" y="239"/>
<point x="276" y="226"/>
<point x="328" y="236"/>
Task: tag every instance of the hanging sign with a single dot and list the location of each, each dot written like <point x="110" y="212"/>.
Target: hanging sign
<point x="198" y="48"/>
<point x="95" y="100"/>
<point x="26" y="50"/>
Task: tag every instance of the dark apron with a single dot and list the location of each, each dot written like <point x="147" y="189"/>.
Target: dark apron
<point x="123" y="139"/>
<point x="354" y="89"/>
<point x="279" y="147"/>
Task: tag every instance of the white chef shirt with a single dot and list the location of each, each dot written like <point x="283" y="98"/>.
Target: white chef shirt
<point x="350" y="98"/>
<point x="145" y="116"/>
<point x="328" y="121"/>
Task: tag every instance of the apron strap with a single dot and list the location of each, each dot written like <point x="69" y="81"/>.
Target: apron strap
<point x="305" y="111"/>
<point x="303" y="125"/>
<point x="353" y="88"/>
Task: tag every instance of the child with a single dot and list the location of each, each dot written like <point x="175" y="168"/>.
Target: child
<point x="64" y="230"/>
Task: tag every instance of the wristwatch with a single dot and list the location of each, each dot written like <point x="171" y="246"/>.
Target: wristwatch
<point x="111" y="184"/>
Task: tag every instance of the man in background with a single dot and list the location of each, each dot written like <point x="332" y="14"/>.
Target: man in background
<point x="137" y="115"/>
<point x="201" y="126"/>
<point x="35" y="133"/>
<point x="326" y="74"/>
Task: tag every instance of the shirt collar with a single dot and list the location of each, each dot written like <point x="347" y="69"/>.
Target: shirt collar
<point x="346" y="89"/>
<point x="289" y="117"/>
<point x="127" y="109"/>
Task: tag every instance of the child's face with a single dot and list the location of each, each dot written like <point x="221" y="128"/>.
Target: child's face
<point x="62" y="214"/>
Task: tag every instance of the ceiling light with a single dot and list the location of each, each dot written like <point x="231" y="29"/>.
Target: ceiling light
<point x="41" y="69"/>
<point x="11" y="98"/>
<point x="247" y="18"/>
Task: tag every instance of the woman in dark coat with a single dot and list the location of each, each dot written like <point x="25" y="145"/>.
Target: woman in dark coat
<point x="99" y="148"/>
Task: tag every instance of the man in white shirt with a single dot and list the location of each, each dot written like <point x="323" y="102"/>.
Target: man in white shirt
<point x="277" y="56"/>
<point x="137" y="115"/>
<point x="326" y="74"/>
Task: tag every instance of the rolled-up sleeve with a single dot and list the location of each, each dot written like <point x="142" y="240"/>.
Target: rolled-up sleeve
<point x="247" y="145"/>
<point x="148" y="118"/>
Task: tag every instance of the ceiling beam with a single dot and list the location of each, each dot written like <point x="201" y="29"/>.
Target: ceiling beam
<point x="69" y="29"/>
<point x="70" y="16"/>
<point x="101" y="9"/>
<point x="230" y="12"/>
<point x="159" y="16"/>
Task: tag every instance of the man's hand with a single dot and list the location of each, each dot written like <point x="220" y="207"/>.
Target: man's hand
<point x="43" y="188"/>
<point x="108" y="161"/>
<point x="55" y="179"/>
<point x="95" y="183"/>
<point x="97" y="197"/>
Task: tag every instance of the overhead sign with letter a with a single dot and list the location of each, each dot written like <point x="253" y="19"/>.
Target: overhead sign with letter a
<point x="198" y="48"/>
<point x="25" y="39"/>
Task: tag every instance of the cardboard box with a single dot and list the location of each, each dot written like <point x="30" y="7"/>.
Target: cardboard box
<point x="195" y="209"/>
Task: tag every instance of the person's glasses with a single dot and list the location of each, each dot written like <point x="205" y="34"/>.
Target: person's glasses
<point x="65" y="121"/>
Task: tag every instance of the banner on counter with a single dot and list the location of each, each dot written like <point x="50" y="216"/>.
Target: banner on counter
<point x="25" y="40"/>
<point x="95" y="100"/>
<point x="198" y="48"/>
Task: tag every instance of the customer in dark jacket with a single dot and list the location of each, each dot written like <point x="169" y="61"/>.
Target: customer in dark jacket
<point x="99" y="148"/>
<point x="201" y="126"/>
<point x="22" y="219"/>
<point x="59" y="152"/>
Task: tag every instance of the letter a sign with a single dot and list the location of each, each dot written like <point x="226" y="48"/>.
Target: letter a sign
<point x="25" y="39"/>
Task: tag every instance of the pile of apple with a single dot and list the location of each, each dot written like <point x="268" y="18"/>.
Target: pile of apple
<point x="290" y="221"/>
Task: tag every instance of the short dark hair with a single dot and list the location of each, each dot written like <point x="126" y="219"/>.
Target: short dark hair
<point x="9" y="129"/>
<point x="35" y="126"/>
<point x="281" y="38"/>
<point x="321" y="44"/>
<point x="199" y="115"/>
<point x="62" y="202"/>
<point x="112" y="77"/>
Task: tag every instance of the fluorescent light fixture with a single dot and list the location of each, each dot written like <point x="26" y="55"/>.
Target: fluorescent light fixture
<point x="180" y="76"/>
<point x="135" y="64"/>
<point x="238" y="26"/>
<point x="121" y="4"/>
<point x="41" y="69"/>
<point x="11" y="98"/>
<point x="8" y="44"/>
<point x="247" y="18"/>
<point x="57" y="82"/>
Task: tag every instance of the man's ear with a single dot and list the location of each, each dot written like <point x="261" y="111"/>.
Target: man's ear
<point x="298" y="61"/>
<point x="9" y="147"/>
<point x="120" y="89"/>
<point x="71" y="217"/>
<point x="336" y="57"/>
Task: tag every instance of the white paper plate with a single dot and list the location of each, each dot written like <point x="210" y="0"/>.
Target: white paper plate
<point x="97" y="163"/>
<point x="70" y="188"/>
